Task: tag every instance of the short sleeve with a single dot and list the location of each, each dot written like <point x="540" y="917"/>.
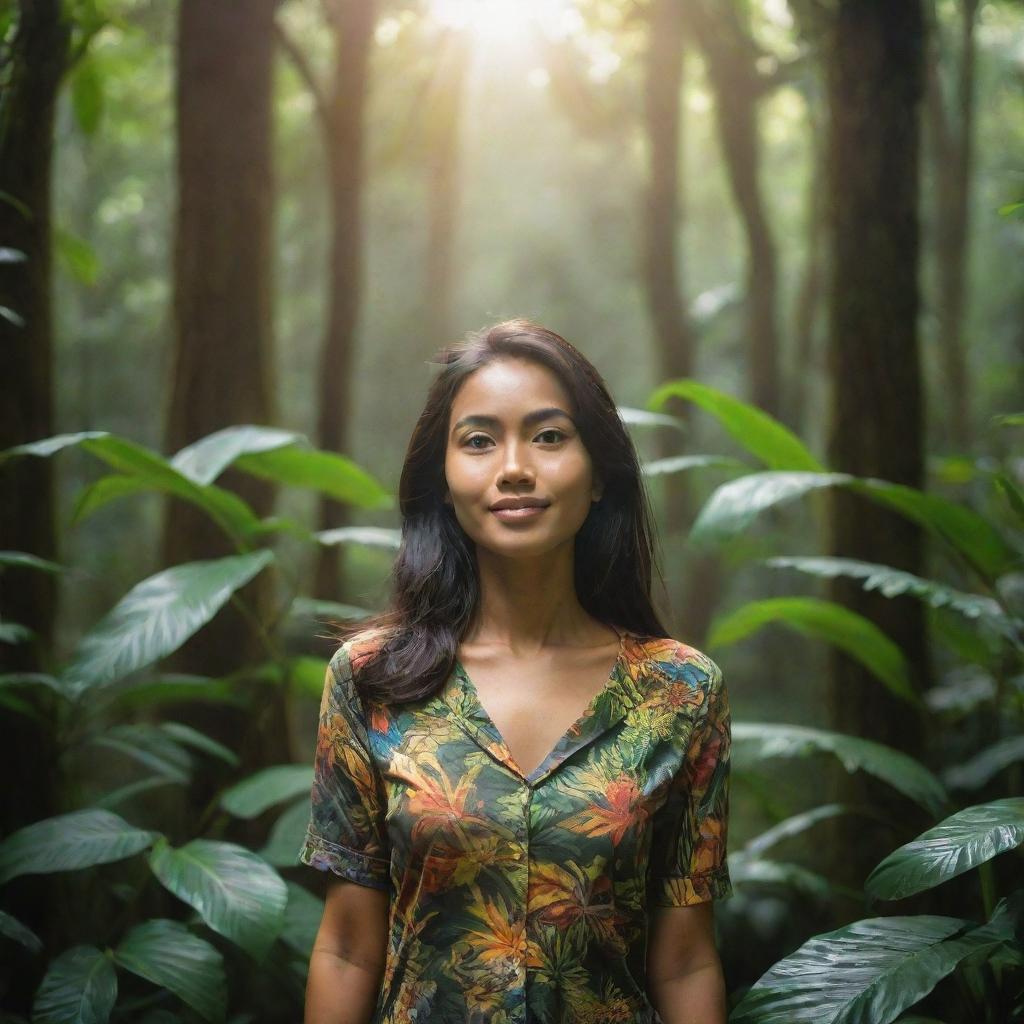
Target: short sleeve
<point x="688" y="858"/>
<point x="347" y="832"/>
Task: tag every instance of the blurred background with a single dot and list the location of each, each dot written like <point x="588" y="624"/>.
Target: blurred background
<point x="790" y="235"/>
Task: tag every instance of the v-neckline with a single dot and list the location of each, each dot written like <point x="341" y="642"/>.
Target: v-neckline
<point x="564" y="741"/>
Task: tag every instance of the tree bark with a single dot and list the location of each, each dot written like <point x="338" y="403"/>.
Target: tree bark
<point x="223" y="316"/>
<point x="876" y="427"/>
<point x="952" y="150"/>
<point x="352" y="24"/>
<point x="730" y="55"/>
<point x="36" y="61"/>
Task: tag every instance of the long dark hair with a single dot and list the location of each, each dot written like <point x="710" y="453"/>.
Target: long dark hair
<point x="435" y="591"/>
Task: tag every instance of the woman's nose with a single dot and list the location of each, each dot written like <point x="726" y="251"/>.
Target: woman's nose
<point x="514" y="467"/>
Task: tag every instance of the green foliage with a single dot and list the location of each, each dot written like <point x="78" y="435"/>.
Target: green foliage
<point x="877" y="968"/>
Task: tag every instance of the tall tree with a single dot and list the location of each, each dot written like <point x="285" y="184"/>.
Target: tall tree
<point x="731" y="56"/>
<point x="339" y="105"/>
<point x="951" y="124"/>
<point x="222" y="298"/>
<point x="875" y="79"/>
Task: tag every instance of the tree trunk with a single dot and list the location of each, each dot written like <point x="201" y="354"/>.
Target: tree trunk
<point x="874" y="80"/>
<point x="36" y="60"/>
<point x="223" y="316"/>
<point x="352" y="24"/>
<point x="952" y="148"/>
<point x="729" y="55"/>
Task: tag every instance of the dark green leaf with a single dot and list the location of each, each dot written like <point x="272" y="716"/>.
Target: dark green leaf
<point x="157" y="616"/>
<point x="168" y="954"/>
<point x="80" y="987"/>
<point x="70" y="842"/>
<point x="960" y="842"/>
<point x="252" y="796"/>
<point x="237" y="893"/>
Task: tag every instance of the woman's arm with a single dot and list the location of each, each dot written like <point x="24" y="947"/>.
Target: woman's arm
<point x="684" y="973"/>
<point x="347" y="964"/>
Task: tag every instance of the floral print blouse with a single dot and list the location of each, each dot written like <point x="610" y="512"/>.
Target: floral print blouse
<point x="515" y="899"/>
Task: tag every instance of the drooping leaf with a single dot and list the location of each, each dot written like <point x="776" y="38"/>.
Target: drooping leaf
<point x="169" y="955"/>
<point x="986" y="764"/>
<point x="645" y="418"/>
<point x="150" y="746"/>
<point x="760" y="434"/>
<point x="31" y="679"/>
<point x="301" y="920"/>
<point x="51" y="445"/>
<point x="682" y="463"/>
<point x="287" y="836"/>
<point x="960" y="842"/>
<point x="188" y="736"/>
<point x="892" y="582"/>
<point x="252" y="796"/>
<point x="70" y="842"/>
<point x="204" y="460"/>
<point x="761" y="871"/>
<point x="822" y="620"/>
<point x="14" y="929"/>
<point x="236" y="892"/>
<point x="324" y="472"/>
<point x="15" y="633"/>
<point x="371" y="536"/>
<point x="23" y="560"/>
<point x="762" y="740"/>
<point x="80" y="987"/>
<point x="795" y="825"/>
<point x="734" y="505"/>
<point x="868" y="971"/>
<point x="157" y="616"/>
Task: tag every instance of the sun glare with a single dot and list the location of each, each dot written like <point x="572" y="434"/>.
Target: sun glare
<point x="507" y="21"/>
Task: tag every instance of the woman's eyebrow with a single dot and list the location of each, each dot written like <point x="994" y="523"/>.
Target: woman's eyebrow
<point x="479" y="420"/>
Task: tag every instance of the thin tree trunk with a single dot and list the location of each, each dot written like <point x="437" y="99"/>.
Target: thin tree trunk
<point x="36" y="58"/>
<point x="729" y="57"/>
<point x="223" y="318"/>
<point x="875" y="80"/>
<point x="352" y="26"/>
<point x="952" y="147"/>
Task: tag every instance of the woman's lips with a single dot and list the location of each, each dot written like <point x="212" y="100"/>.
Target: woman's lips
<point x="518" y="515"/>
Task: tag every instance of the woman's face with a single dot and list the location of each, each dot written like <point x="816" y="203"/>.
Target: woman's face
<point x="511" y="439"/>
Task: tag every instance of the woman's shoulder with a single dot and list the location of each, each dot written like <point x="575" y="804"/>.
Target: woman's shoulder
<point x="359" y="648"/>
<point x="675" y="661"/>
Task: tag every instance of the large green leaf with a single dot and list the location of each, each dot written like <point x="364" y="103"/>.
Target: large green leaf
<point x="14" y="929"/>
<point x="759" y="740"/>
<point x="766" y="438"/>
<point x="69" y="842"/>
<point x="795" y="825"/>
<point x="892" y="582"/>
<point x="80" y="987"/>
<point x="981" y="768"/>
<point x="157" y="616"/>
<point x="682" y="463"/>
<point x="237" y="893"/>
<point x="370" y="536"/>
<point x="287" y="836"/>
<point x="645" y="418"/>
<point x="52" y="445"/>
<point x="252" y="796"/>
<point x="177" y="688"/>
<point x="822" y="620"/>
<point x="326" y="472"/>
<point x="734" y="505"/>
<point x="867" y="972"/>
<point x="761" y="871"/>
<point x="959" y="525"/>
<point x="168" y="954"/>
<point x="190" y="737"/>
<point x="23" y="560"/>
<point x="150" y="746"/>
<point x="204" y="460"/>
<point x="301" y="920"/>
<point x="960" y="842"/>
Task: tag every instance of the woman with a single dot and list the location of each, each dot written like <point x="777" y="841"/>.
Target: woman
<point x="524" y="777"/>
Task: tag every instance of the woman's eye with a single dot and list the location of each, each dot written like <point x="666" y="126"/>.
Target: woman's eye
<point x="558" y="435"/>
<point x="475" y="437"/>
